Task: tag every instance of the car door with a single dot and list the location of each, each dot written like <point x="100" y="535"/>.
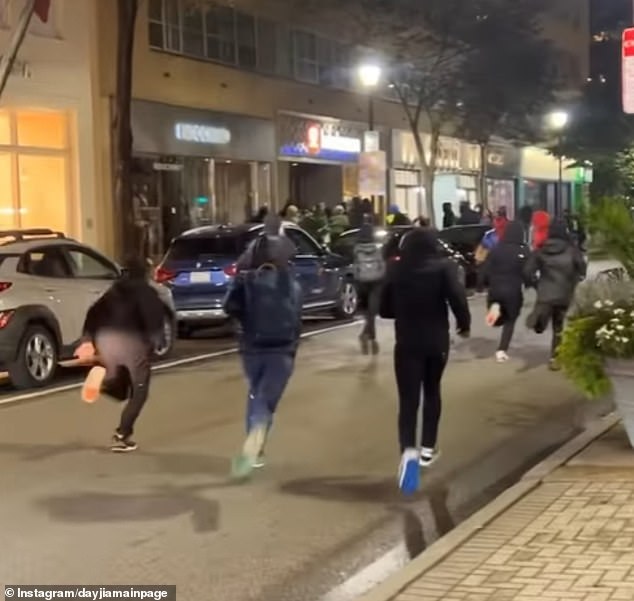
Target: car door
<point x="91" y="276"/>
<point x="309" y="266"/>
<point x="50" y="274"/>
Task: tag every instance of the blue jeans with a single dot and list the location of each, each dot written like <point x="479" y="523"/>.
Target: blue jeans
<point x="267" y="374"/>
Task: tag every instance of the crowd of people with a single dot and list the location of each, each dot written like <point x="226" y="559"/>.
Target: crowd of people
<point x="417" y="292"/>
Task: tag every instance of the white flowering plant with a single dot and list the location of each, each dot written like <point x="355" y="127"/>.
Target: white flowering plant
<point x="598" y="329"/>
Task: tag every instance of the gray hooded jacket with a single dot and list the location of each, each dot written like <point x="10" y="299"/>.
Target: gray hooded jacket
<point x="271" y="246"/>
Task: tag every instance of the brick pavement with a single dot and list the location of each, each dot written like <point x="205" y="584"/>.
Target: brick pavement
<point x="571" y="539"/>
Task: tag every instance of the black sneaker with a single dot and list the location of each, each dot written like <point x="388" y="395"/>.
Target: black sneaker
<point x="365" y="344"/>
<point x="375" y="347"/>
<point x="122" y="445"/>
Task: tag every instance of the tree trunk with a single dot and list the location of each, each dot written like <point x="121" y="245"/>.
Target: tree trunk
<point x="484" y="172"/>
<point x="426" y="177"/>
<point x="122" y="126"/>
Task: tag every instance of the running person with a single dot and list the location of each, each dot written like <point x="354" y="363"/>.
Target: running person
<point x="416" y="294"/>
<point x="265" y="299"/>
<point x="503" y="274"/>
<point x="122" y="329"/>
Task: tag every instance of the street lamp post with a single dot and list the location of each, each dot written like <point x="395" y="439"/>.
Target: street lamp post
<point x="558" y="122"/>
<point x="370" y="75"/>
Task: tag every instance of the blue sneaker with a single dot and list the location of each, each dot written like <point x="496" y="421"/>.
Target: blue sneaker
<point x="409" y="472"/>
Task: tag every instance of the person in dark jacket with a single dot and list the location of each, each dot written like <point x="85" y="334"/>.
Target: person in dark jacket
<point x="467" y="215"/>
<point x="416" y="295"/>
<point x="122" y="328"/>
<point x="265" y="299"/>
<point x="503" y="274"/>
<point x="448" y="216"/>
<point x="555" y="269"/>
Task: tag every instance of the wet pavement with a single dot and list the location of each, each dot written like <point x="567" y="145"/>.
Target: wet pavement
<point x="325" y="507"/>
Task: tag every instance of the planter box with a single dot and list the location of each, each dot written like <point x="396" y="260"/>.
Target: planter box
<point x="621" y="374"/>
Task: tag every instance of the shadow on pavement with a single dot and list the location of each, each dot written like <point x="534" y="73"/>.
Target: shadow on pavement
<point x="90" y="507"/>
<point x="532" y="357"/>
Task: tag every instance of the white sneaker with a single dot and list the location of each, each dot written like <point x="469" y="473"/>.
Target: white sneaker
<point x="428" y="457"/>
<point x="494" y="314"/>
<point x="408" y="474"/>
<point x="501" y="357"/>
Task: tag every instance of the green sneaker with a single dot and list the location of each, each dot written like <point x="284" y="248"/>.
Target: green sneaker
<point x="243" y="465"/>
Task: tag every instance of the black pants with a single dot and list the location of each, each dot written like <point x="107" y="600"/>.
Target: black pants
<point x="371" y="294"/>
<point x="418" y="374"/>
<point x="507" y="335"/>
<point x="558" y="317"/>
<point x="544" y="313"/>
<point x="127" y="361"/>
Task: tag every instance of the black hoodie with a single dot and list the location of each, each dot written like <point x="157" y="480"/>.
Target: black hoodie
<point x="131" y="305"/>
<point x="558" y="267"/>
<point x="417" y="293"/>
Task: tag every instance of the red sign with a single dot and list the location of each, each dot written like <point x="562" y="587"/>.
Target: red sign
<point x="42" y="9"/>
<point x="627" y="70"/>
<point x="314" y="139"/>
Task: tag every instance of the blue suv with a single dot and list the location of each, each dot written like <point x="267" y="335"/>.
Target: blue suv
<point x="199" y="265"/>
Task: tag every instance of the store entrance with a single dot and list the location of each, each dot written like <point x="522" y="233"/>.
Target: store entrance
<point x="311" y="184"/>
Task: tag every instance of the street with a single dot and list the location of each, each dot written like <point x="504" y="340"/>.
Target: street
<point x="325" y="507"/>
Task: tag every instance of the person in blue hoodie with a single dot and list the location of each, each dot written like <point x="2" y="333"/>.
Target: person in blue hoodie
<point x="265" y="299"/>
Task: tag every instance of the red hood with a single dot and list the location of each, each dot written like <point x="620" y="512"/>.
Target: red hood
<point x="541" y="220"/>
<point x="499" y="225"/>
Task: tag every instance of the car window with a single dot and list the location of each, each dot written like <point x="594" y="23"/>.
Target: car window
<point x="218" y="245"/>
<point x="303" y="244"/>
<point x="87" y="265"/>
<point x="45" y="263"/>
<point x="344" y="244"/>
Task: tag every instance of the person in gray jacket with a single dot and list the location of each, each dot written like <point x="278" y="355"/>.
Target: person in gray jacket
<point x="555" y="270"/>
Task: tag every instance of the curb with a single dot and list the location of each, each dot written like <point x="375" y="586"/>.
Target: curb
<point x="446" y="545"/>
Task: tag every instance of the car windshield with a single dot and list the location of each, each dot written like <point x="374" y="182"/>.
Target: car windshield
<point x="184" y="249"/>
<point x="470" y="235"/>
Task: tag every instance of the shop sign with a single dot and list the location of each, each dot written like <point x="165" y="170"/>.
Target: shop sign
<point x="496" y="159"/>
<point x="372" y="173"/>
<point x="167" y="167"/>
<point x="627" y="70"/>
<point x="202" y="134"/>
<point x="371" y="141"/>
<point x="317" y="140"/>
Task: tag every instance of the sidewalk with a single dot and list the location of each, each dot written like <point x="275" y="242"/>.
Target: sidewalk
<point x="569" y="539"/>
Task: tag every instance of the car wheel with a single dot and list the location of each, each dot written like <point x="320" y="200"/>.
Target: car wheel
<point x="166" y="345"/>
<point x="348" y="301"/>
<point x="184" y="332"/>
<point x="36" y="360"/>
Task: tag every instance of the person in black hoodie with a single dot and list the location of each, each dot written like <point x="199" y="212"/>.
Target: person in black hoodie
<point x="122" y="329"/>
<point x="555" y="270"/>
<point x="503" y="274"/>
<point x="418" y="289"/>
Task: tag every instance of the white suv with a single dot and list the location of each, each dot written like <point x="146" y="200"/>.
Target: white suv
<point x="47" y="284"/>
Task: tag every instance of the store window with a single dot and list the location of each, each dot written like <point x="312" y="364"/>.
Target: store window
<point x="245" y="28"/>
<point x="220" y="30"/>
<point x="34" y="170"/>
<point x="193" y="32"/>
<point x="305" y="56"/>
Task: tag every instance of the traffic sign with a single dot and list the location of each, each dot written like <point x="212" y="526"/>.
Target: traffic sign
<point x="627" y="68"/>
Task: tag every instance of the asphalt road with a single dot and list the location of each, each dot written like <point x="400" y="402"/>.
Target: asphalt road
<point x="324" y="508"/>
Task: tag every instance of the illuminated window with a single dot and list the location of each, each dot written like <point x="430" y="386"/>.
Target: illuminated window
<point x="41" y="129"/>
<point x="7" y="200"/>
<point x="5" y="127"/>
<point x="43" y="192"/>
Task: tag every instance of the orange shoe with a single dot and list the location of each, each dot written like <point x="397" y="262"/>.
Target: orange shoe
<point x="92" y="385"/>
<point x="494" y="314"/>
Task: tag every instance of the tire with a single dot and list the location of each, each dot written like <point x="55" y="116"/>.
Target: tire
<point x="184" y="332"/>
<point x="348" y="301"/>
<point x="36" y="361"/>
<point x="165" y="348"/>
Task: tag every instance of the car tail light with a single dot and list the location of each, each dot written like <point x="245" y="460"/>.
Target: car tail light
<point x="4" y="286"/>
<point x="395" y="258"/>
<point x="5" y="318"/>
<point x="162" y="275"/>
<point x="231" y="271"/>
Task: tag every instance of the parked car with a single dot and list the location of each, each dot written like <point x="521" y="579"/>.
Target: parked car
<point x="465" y="239"/>
<point x="389" y="239"/>
<point x="47" y="284"/>
<point x="200" y="264"/>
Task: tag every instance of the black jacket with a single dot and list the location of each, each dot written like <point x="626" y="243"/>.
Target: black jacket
<point x="131" y="306"/>
<point x="417" y="293"/>
<point x="557" y="268"/>
<point x="503" y="270"/>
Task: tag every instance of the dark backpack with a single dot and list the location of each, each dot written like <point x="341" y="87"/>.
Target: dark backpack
<point x="273" y="307"/>
<point x="369" y="264"/>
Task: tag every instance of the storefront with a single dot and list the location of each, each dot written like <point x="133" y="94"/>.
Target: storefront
<point x="540" y="181"/>
<point x="195" y="167"/>
<point x="318" y="159"/>
<point x="502" y="173"/>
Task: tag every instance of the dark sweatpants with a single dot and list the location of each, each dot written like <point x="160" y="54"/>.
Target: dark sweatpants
<point x="371" y="299"/>
<point x="418" y="377"/>
<point x="126" y="358"/>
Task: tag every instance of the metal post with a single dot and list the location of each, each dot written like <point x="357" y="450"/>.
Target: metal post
<point x="560" y="193"/>
<point x="371" y="113"/>
<point x="8" y="58"/>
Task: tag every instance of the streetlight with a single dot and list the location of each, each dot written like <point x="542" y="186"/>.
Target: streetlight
<point x="558" y="121"/>
<point x="370" y="76"/>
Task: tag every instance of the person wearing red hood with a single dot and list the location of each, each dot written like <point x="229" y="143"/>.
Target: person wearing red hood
<point x="540" y="224"/>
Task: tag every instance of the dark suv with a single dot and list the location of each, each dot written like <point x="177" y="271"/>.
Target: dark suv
<point x="200" y="264"/>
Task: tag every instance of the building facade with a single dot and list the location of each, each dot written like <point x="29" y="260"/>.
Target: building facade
<point x="49" y="172"/>
<point x="233" y="110"/>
